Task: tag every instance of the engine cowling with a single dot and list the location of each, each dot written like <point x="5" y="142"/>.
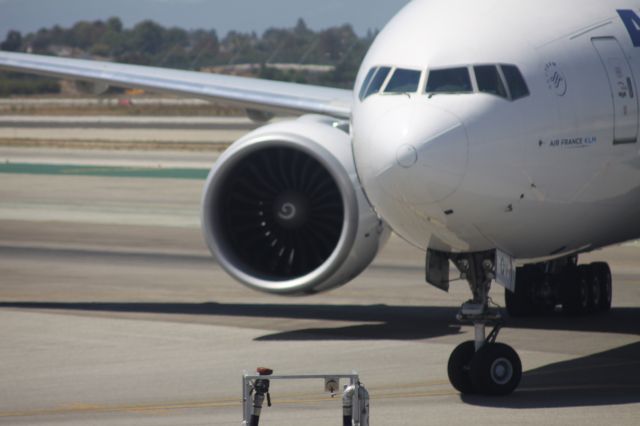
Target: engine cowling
<point x="283" y="211"/>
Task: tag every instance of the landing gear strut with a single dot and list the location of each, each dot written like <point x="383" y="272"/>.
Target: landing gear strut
<point x="482" y="366"/>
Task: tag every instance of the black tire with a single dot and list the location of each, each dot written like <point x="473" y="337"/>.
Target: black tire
<point x="520" y="303"/>
<point x="459" y="366"/>
<point x="606" y="290"/>
<point x="575" y="294"/>
<point x="496" y="369"/>
<point x="595" y="289"/>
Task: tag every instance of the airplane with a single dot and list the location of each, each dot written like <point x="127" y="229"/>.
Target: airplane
<point x="500" y="137"/>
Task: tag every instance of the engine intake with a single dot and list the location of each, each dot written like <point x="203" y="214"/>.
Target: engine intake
<point x="283" y="211"/>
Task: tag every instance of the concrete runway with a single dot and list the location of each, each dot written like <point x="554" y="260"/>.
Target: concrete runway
<point x="112" y="312"/>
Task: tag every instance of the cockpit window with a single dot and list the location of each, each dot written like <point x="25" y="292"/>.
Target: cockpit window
<point x="517" y="86"/>
<point x="505" y="81"/>
<point x="451" y="80"/>
<point x="403" y="81"/>
<point x="489" y="80"/>
<point x="366" y="82"/>
<point x="373" y="82"/>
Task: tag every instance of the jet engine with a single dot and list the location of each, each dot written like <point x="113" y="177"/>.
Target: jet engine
<point x="283" y="211"/>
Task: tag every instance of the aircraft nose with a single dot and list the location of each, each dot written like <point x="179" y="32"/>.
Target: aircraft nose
<point x="415" y="154"/>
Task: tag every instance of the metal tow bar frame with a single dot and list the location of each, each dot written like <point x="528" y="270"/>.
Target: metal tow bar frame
<point x="248" y="381"/>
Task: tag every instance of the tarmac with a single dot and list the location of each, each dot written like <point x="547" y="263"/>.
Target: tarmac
<point x="112" y="312"/>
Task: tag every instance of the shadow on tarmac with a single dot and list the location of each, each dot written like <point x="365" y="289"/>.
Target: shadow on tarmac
<point x="606" y="378"/>
<point x="370" y="321"/>
<point x="381" y="321"/>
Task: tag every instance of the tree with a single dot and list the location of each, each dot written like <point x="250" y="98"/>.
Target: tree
<point x="240" y="47"/>
<point x="176" y="57"/>
<point x="13" y="41"/>
<point x="85" y="34"/>
<point x="114" y="24"/>
<point x="334" y="42"/>
<point x="175" y="37"/>
<point x="205" y="48"/>
<point x="147" y="38"/>
<point x="301" y="29"/>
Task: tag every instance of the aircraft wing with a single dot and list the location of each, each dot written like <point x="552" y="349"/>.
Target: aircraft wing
<point x="244" y="92"/>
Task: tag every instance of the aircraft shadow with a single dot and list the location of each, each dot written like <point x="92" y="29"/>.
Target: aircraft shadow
<point x="370" y="321"/>
<point x="623" y="320"/>
<point x="607" y="378"/>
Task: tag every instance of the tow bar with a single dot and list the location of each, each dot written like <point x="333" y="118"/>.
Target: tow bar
<point x="355" y="398"/>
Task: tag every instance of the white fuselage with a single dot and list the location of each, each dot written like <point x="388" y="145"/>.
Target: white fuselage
<point x="548" y="174"/>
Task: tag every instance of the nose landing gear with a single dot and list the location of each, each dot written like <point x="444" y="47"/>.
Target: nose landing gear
<point x="482" y="366"/>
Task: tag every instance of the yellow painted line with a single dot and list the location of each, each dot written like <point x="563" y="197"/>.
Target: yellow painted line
<point x="94" y="408"/>
<point x="163" y="408"/>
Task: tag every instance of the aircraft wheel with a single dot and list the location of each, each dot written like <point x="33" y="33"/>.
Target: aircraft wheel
<point x="496" y="369"/>
<point x="595" y="289"/>
<point x="459" y="366"/>
<point x="602" y="270"/>
<point x="576" y="291"/>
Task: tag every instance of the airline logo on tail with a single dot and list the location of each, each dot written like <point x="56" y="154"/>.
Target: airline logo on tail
<point x="632" y="22"/>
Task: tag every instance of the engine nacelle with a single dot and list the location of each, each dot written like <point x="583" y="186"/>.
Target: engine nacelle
<point x="283" y="211"/>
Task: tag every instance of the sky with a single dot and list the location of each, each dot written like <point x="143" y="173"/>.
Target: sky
<point x="221" y="15"/>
